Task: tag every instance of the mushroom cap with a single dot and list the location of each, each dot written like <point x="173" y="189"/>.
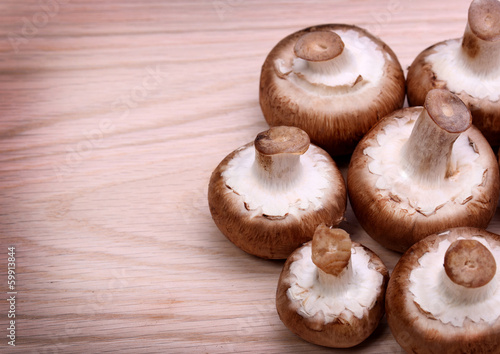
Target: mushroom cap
<point x="270" y="236"/>
<point x="418" y="331"/>
<point x="396" y="224"/>
<point x="421" y="79"/>
<point x="342" y="332"/>
<point x="334" y="121"/>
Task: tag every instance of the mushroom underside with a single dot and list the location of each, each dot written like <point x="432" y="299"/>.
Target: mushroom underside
<point x="418" y="330"/>
<point x="273" y="236"/>
<point x="422" y="78"/>
<point x="392" y="220"/>
<point x="344" y="331"/>
<point x="328" y="119"/>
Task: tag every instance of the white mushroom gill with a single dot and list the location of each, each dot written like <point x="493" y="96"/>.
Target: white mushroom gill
<point x="352" y="293"/>
<point x="394" y="181"/>
<point x="451" y="64"/>
<point x="360" y="64"/>
<point x="448" y="302"/>
<point x="301" y="184"/>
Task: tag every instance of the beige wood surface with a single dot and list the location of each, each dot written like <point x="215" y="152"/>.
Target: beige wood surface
<point x="113" y="115"/>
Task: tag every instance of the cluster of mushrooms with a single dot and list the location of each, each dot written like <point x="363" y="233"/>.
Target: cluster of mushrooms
<point x="422" y="180"/>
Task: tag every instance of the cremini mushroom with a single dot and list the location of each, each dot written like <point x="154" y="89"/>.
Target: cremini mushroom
<point x="467" y="66"/>
<point x="268" y="196"/>
<point x="331" y="290"/>
<point x="444" y="294"/>
<point x="333" y="81"/>
<point x="421" y="170"/>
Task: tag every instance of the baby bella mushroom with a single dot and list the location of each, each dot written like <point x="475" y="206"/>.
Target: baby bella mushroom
<point x="444" y="294"/>
<point x="467" y="66"/>
<point x="422" y="170"/>
<point x="331" y="290"/>
<point x="268" y="196"/>
<point x="333" y="81"/>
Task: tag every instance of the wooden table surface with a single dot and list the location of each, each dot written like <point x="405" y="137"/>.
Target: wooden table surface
<point x="113" y="115"/>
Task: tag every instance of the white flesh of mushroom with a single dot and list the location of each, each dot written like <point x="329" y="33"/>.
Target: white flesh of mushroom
<point x="451" y="64"/>
<point x="352" y="293"/>
<point x="448" y="302"/>
<point x="360" y="64"/>
<point x="301" y="186"/>
<point x="395" y="182"/>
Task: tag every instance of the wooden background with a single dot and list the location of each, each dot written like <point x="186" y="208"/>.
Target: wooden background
<point x="113" y="115"/>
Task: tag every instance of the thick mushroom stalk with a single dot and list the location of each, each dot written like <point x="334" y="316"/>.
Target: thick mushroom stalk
<point x="481" y="39"/>
<point x="323" y="59"/>
<point x="319" y="47"/>
<point x="277" y="155"/>
<point x="331" y="253"/>
<point x="426" y="155"/>
<point x="469" y="268"/>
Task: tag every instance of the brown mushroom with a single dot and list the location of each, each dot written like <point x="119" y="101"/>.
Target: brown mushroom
<point x="331" y="290"/>
<point x="467" y="66"/>
<point x="444" y="294"/>
<point x="421" y="170"/>
<point x="333" y="81"/>
<point x="267" y="197"/>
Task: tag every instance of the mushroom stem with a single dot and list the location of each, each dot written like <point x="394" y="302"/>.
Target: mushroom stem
<point x="279" y="170"/>
<point x="469" y="270"/>
<point x="322" y="52"/>
<point x="331" y="253"/>
<point x="425" y="157"/>
<point x="277" y="155"/>
<point x="481" y="39"/>
<point x="469" y="263"/>
<point x="335" y="283"/>
<point x="319" y="46"/>
<point x="335" y="66"/>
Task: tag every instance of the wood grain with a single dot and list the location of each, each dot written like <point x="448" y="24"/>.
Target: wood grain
<point x="113" y="115"/>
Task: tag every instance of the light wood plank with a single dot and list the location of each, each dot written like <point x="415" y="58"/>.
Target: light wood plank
<point x="113" y="116"/>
